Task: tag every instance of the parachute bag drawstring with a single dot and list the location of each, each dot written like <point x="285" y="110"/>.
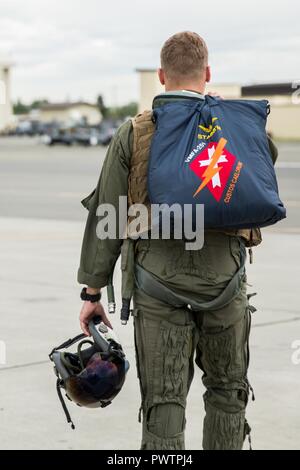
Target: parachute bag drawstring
<point x="64" y="406"/>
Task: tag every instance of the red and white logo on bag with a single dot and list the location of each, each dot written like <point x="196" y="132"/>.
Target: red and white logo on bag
<point x="213" y="166"/>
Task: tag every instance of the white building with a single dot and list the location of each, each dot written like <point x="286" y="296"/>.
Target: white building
<point x="69" y="112"/>
<point x="284" y="98"/>
<point x="5" y="100"/>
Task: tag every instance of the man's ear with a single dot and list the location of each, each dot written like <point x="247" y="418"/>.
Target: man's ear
<point x="207" y="74"/>
<point x="161" y="76"/>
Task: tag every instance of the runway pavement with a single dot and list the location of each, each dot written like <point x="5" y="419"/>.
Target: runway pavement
<point x="41" y="226"/>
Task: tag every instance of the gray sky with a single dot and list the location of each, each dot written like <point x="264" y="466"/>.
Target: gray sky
<point x="78" y="49"/>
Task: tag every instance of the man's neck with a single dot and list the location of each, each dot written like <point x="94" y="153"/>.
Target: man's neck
<point x="193" y="91"/>
<point x="200" y="89"/>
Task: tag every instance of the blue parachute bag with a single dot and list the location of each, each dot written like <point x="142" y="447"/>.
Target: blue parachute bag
<point x="215" y="152"/>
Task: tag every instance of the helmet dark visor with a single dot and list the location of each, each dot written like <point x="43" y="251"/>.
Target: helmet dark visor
<point x="100" y="381"/>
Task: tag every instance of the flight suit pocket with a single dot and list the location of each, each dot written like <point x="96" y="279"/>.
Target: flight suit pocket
<point x="182" y="262"/>
<point x="225" y="352"/>
<point x="163" y="352"/>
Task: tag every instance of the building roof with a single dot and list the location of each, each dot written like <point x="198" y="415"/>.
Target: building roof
<point x="64" y="105"/>
<point x="263" y="89"/>
<point x="146" y="69"/>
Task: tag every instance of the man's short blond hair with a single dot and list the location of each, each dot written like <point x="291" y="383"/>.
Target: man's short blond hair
<point x="184" y="56"/>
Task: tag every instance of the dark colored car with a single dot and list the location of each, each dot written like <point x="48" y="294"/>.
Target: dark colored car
<point x="106" y="132"/>
<point x="59" y="136"/>
<point x="87" y="136"/>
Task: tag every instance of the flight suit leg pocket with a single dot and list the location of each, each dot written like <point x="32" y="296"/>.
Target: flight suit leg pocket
<point x="163" y="352"/>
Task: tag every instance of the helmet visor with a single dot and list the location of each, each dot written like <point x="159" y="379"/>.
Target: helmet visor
<point x="99" y="382"/>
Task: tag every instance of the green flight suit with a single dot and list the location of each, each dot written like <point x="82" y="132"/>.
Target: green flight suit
<point x="168" y="339"/>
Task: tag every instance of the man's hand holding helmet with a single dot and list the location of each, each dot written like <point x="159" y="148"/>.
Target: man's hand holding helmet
<point x="91" y="309"/>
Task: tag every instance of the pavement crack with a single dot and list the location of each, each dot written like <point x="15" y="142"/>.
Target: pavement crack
<point x="37" y="363"/>
<point x="278" y="322"/>
<point x="21" y="366"/>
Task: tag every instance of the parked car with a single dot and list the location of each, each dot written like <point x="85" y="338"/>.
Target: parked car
<point x="24" y="128"/>
<point x="87" y="136"/>
<point x="82" y="135"/>
<point x="106" y="132"/>
<point x="58" y="136"/>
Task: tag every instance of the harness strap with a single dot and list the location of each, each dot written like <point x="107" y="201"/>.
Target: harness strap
<point x="153" y="287"/>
